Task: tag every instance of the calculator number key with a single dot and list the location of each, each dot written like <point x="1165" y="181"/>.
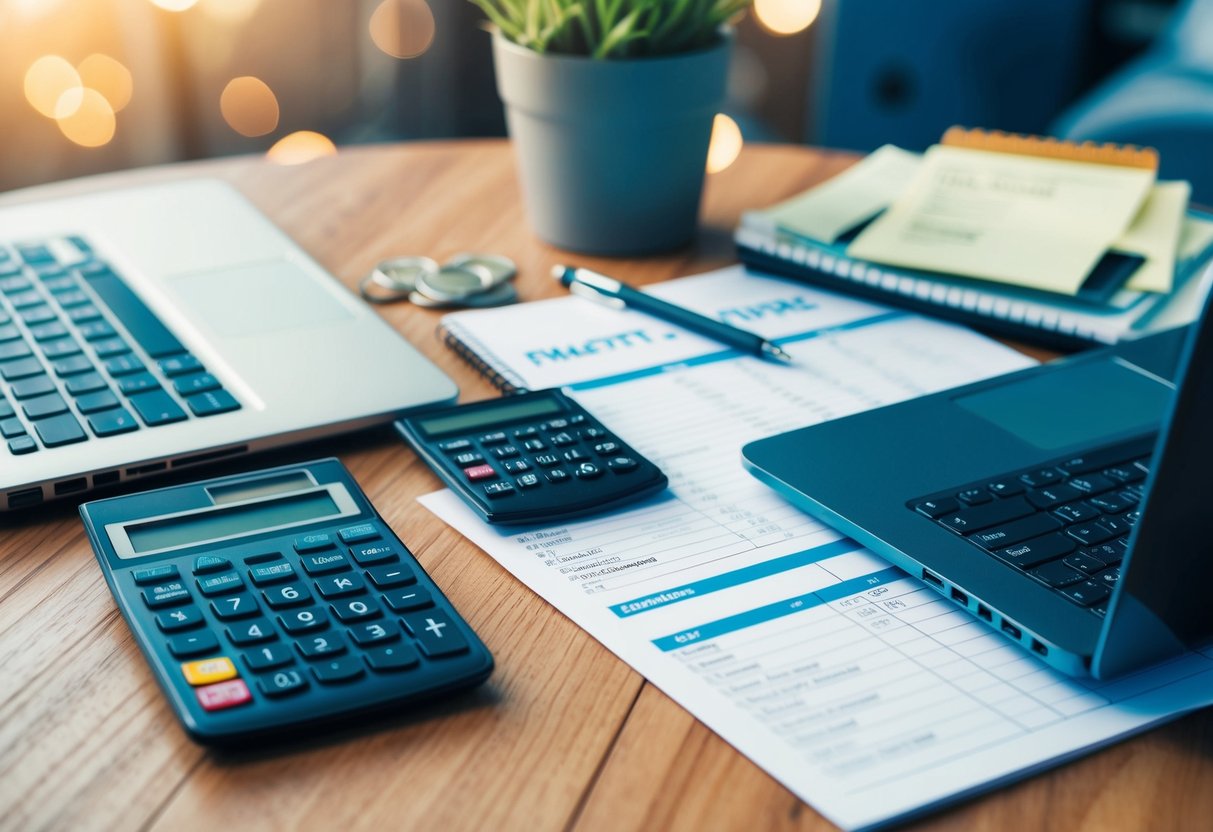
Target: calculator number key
<point x="356" y="609"/>
<point x="242" y="605"/>
<point x="180" y="619"/>
<point x="303" y="621"/>
<point x="254" y="631"/>
<point x="375" y="632"/>
<point x="288" y="595"/>
<point x="314" y="647"/>
<point x="282" y="683"/>
<point x="268" y="657"/>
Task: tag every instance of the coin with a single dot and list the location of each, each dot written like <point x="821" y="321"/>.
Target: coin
<point x="502" y="268"/>
<point x="499" y="295"/>
<point x="393" y="279"/>
<point x="454" y="283"/>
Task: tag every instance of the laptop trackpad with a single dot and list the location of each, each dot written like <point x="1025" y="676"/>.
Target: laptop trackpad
<point x="256" y="298"/>
<point x="1076" y="404"/>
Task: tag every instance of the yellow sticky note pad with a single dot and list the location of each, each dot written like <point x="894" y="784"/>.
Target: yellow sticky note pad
<point x="1041" y="223"/>
<point x="842" y="202"/>
<point x="1154" y="234"/>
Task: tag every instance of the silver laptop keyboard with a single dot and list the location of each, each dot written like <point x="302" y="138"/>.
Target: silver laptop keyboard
<point x="82" y="357"/>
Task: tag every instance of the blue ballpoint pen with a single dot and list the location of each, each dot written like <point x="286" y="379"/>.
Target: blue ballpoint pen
<point x="607" y="290"/>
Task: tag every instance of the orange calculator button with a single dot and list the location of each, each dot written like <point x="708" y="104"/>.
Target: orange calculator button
<point x="208" y="671"/>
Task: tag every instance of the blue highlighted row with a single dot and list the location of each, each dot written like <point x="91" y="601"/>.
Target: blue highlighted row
<point x="735" y="578"/>
<point x="770" y="612"/>
<point x="728" y="355"/>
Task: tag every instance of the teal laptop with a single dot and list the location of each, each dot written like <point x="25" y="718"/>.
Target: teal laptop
<point x="1066" y="505"/>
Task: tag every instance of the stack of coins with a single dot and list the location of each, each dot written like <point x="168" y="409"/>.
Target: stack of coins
<point x="466" y="280"/>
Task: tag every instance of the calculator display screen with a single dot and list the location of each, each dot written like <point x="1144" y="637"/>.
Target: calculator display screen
<point x="477" y="418"/>
<point x="187" y="529"/>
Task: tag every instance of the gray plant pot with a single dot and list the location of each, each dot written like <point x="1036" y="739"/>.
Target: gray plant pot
<point x="611" y="153"/>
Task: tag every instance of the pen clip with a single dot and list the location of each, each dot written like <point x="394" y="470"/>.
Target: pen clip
<point x="590" y="293"/>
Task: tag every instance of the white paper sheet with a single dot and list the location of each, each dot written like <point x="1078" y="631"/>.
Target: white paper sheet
<point x="860" y="689"/>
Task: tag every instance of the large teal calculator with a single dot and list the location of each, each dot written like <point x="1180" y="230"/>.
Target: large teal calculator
<point x="271" y="602"/>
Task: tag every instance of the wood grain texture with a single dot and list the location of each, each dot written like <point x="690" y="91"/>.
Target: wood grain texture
<point x="564" y="735"/>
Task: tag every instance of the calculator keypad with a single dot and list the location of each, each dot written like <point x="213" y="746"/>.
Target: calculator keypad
<point x="339" y="606"/>
<point x="532" y="470"/>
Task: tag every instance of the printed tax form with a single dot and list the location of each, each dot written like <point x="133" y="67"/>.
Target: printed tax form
<point x="863" y="691"/>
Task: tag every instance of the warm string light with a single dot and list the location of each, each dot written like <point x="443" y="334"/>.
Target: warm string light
<point x="786" y="17"/>
<point x="726" y="143"/>
<point x="403" y="28"/>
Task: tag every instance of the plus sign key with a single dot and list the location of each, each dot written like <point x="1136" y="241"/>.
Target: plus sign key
<point x="436" y="633"/>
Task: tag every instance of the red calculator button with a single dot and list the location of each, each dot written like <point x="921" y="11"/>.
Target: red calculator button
<point x="480" y="472"/>
<point x="224" y="695"/>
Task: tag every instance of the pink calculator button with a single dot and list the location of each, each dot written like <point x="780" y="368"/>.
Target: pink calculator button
<point x="222" y="695"/>
<point x="480" y="472"/>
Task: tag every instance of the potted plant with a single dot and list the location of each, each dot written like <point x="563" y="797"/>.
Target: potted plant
<point x="610" y="105"/>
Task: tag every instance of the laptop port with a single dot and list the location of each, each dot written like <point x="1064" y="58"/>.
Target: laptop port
<point x="984" y="612"/>
<point x="932" y="578"/>
<point x="959" y="597"/>
<point x="150" y="468"/>
<point x="70" y="486"/>
<point x="1011" y="630"/>
<point x="1039" y="648"/>
<point x="24" y="499"/>
<point x="105" y="478"/>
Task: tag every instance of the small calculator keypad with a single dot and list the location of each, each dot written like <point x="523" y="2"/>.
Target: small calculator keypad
<point x="537" y="469"/>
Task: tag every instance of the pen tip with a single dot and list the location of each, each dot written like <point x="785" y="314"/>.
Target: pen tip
<point x="558" y="272"/>
<point x="772" y="351"/>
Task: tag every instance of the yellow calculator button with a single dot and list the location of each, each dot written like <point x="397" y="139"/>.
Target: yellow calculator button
<point x="208" y="671"/>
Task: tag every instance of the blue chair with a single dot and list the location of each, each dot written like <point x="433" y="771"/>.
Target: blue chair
<point x="1163" y="99"/>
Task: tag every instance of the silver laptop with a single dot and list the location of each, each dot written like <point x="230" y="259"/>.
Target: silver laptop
<point x="148" y="329"/>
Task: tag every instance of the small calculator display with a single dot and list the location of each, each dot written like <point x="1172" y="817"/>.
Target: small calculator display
<point x="535" y="457"/>
<point x="271" y="602"/>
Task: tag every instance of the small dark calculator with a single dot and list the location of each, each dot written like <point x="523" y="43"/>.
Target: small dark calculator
<point x="271" y="602"/>
<point x="534" y="457"/>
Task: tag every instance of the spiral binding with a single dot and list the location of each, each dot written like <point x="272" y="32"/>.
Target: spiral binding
<point x="507" y="385"/>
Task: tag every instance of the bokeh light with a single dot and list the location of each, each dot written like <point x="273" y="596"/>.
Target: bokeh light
<point x="229" y="11"/>
<point x="175" y="5"/>
<point x="108" y="77"/>
<point x="726" y="143"/>
<point x="47" y="81"/>
<point x="32" y="8"/>
<point x="403" y="28"/>
<point x="249" y="106"/>
<point x="786" y="17"/>
<point x="92" y="123"/>
<point x="299" y="147"/>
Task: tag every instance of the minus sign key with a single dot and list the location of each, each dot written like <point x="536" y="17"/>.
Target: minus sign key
<point x="408" y="600"/>
<point x="391" y="575"/>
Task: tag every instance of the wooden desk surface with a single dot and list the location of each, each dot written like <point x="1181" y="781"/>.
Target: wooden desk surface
<point x="564" y="735"/>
